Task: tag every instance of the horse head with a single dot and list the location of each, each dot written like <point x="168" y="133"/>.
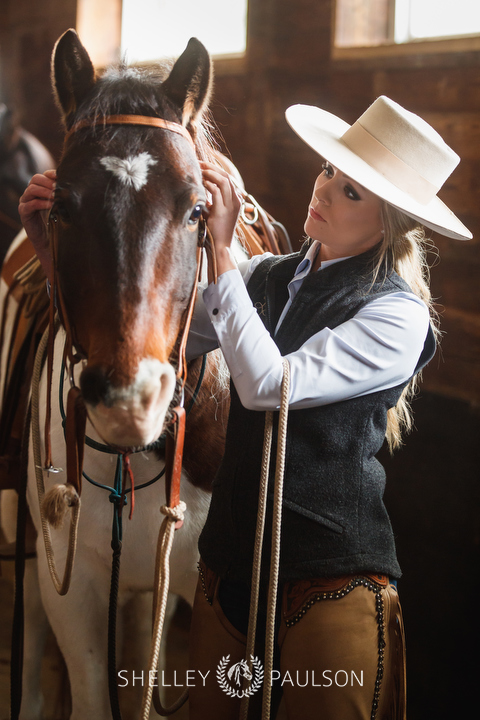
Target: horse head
<point x="238" y="671"/>
<point x="128" y="201"/>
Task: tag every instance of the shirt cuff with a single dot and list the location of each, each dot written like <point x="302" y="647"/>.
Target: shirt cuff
<point x="228" y="295"/>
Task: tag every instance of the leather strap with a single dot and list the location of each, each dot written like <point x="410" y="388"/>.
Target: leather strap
<point x="173" y="459"/>
<point x="132" y="120"/>
<point x="56" y="297"/>
<point x="75" y="437"/>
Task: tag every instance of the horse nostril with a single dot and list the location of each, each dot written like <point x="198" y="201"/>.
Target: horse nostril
<point x="94" y="384"/>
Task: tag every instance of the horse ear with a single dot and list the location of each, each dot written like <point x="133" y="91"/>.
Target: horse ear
<point x="73" y="74"/>
<point x="189" y="84"/>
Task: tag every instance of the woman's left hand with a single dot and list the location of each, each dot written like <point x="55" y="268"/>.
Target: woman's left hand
<point x="222" y="212"/>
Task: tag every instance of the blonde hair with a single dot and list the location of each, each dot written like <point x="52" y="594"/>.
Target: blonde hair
<point x="404" y="249"/>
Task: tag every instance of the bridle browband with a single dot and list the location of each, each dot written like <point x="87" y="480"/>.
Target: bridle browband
<point x="132" y="120"/>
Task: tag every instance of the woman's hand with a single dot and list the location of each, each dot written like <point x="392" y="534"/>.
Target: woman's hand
<point x="222" y="213"/>
<point x="35" y="202"/>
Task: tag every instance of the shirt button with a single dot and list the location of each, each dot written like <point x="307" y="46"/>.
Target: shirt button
<point x="215" y="311"/>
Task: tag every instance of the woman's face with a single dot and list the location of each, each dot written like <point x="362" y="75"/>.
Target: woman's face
<point x="343" y="215"/>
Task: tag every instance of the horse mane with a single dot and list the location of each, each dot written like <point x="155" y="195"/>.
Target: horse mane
<point x="136" y="90"/>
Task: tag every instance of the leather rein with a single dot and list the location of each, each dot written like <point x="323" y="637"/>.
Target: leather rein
<point x="75" y="423"/>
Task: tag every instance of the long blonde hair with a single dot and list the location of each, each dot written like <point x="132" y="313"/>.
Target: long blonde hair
<point x="404" y="249"/>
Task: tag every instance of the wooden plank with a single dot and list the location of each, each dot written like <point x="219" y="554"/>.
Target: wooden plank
<point x="455" y="369"/>
<point x="460" y="130"/>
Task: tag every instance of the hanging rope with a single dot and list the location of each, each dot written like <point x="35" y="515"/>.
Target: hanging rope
<point x="275" y="547"/>
<point x="276" y="533"/>
<point x="61" y="586"/>
<point x="173" y="515"/>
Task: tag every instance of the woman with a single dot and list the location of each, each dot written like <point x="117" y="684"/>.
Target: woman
<point x="351" y="314"/>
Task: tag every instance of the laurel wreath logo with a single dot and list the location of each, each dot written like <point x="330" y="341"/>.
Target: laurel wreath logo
<point x="240" y="670"/>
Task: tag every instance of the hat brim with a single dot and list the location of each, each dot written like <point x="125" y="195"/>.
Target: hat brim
<point x="323" y="132"/>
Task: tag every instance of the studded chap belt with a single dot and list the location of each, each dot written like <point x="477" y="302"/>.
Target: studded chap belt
<point x="299" y="596"/>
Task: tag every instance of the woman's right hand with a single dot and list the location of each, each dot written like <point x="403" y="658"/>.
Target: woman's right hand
<point x="35" y="202"/>
<point x="223" y="212"/>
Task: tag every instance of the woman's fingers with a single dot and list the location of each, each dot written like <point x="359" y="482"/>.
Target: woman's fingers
<point x="45" y="180"/>
<point x="38" y="196"/>
<point x="220" y="184"/>
<point x="225" y="204"/>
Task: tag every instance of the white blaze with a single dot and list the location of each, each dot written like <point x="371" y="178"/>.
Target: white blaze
<point x="132" y="170"/>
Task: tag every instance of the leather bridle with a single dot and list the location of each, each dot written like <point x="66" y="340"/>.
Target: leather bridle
<point x="132" y="120"/>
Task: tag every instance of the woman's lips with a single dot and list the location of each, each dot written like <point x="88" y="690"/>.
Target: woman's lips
<point x="315" y="215"/>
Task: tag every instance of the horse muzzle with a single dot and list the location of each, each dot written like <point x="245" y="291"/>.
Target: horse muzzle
<point x="132" y="416"/>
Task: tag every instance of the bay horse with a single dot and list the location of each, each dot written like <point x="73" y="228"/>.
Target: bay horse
<point x="21" y="156"/>
<point x="128" y="202"/>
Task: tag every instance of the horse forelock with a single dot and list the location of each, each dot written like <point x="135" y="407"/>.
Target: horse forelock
<point x="124" y="90"/>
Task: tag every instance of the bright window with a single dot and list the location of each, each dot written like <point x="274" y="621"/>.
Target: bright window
<point x="378" y="22"/>
<point x="152" y="29"/>
<point x="421" y="19"/>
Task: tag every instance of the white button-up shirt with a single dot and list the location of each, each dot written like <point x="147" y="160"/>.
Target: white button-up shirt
<point x="376" y="349"/>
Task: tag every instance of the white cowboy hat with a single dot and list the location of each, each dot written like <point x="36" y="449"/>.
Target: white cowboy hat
<point x="391" y="152"/>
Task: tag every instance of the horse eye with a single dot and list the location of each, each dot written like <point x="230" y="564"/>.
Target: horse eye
<point x="196" y="214"/>
<point x="59" y="210"/>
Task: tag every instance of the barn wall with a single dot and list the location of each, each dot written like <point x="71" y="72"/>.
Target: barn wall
<point x="433" y="494"/>
<point x="28" y="31"/>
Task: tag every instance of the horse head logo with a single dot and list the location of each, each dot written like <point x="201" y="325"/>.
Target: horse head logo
<point x="238" y="671"/>
<point x="252" y="673"/>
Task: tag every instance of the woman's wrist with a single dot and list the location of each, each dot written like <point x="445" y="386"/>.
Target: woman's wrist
<point x="225" y="259"/>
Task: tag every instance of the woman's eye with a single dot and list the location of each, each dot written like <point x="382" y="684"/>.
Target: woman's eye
<point x="328" y="170"/>
<point x="351" y="193"/>
<point x="196" y="214"/>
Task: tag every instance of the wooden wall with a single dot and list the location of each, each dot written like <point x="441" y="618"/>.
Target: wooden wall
<point x="28" y="31"/>
<point x="434" y="492"/>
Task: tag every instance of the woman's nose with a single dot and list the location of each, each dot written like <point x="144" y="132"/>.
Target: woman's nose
<point x="322" y="193"/>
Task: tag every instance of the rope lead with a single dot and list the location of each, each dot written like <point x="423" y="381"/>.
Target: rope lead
<point x="275" y="547"/>
<point x="173" y="515"/>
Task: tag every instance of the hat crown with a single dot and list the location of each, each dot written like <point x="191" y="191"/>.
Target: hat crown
<point x="410" y="139"/>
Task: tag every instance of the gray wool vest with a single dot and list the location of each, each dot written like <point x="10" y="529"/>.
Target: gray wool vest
<point x="334" y="519"/>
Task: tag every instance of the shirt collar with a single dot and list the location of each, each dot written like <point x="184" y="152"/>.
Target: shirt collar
<point x="304" y="267"/>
